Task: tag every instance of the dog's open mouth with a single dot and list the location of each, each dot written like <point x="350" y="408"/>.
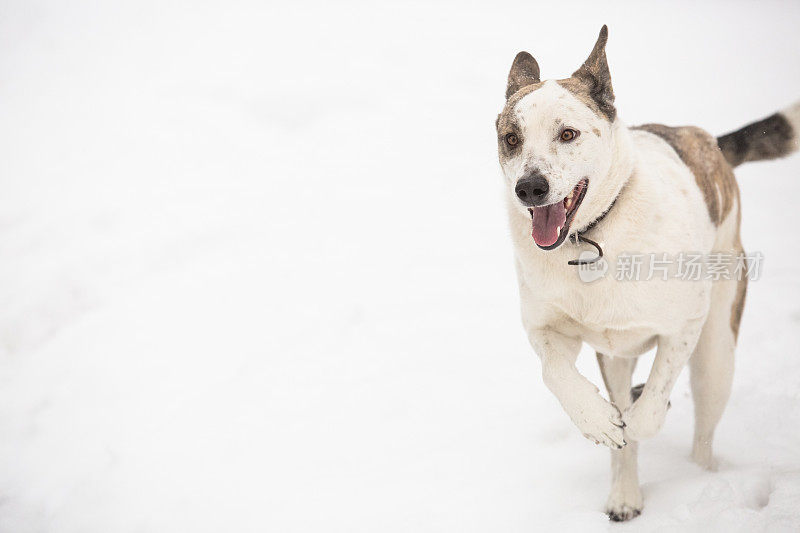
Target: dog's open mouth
<point x="551" y="222"/>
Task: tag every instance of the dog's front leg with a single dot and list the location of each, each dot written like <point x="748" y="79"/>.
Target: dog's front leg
<point x="598" y="420"/>
<point x="646" y="416"/>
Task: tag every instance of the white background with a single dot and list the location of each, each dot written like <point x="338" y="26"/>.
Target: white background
<point x="255" y="272"/>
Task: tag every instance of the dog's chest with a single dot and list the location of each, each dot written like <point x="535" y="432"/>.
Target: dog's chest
<point x="620" y="318"/>
<point x="620" y="343"/>
<point x="604" y="304"/>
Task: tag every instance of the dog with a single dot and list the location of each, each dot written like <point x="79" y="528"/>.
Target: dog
<point x="576" y="176"/>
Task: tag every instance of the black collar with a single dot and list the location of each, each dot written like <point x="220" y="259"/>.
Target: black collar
<point x="596" y="221"/>
<point x="578" y="236"/>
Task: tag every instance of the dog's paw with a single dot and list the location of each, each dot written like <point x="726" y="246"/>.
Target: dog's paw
<point x="623" y="513"/>
<point x="644" y="418"/>
<point x="703" y="456"/>
<point x="624" y="503"/>
<point x="599" y="421"/>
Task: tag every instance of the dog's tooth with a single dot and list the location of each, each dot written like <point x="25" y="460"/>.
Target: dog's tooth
<point x="558" y="230"/>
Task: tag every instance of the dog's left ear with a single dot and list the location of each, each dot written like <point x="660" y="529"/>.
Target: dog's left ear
<point x="595" y="75"/>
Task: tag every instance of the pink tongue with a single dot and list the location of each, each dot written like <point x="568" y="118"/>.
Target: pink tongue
<point x="546" y="221"/>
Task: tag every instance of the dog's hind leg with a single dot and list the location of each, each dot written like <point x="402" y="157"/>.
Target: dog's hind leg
<point x="625" y="500"/>
<point x="712" y="365"/>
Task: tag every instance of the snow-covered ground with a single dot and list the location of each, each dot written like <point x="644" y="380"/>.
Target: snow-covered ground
<point x="255" y="273"/>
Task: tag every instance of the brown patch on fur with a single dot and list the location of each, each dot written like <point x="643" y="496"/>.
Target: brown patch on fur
<point x="583" y="93"/>
<point x="519" y="95"/>
<point x="699" y="151"/>
<point x="769" y="138"/>
<point x="738" y="306"/>
<point x="507" y="123"/>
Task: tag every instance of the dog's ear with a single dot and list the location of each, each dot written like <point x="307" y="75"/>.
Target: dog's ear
<point x="595" y="75"/>
<point x="524" y="72"/>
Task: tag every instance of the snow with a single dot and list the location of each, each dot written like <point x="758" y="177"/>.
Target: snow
<point x="256" y="273"/>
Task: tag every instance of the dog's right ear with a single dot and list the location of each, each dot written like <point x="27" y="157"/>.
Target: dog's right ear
<point x="524" y="72"/>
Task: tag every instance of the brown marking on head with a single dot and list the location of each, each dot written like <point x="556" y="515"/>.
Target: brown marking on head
<point x="507" y="122"/>
<point x="699" y="151"/>
<point x="596" y="131"/>
<point x="591" y="83"/>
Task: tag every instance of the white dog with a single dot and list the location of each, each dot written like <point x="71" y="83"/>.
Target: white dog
<point x="576" y="175"/>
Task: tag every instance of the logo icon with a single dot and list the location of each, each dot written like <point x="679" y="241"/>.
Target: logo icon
<point x="592" y="271"/>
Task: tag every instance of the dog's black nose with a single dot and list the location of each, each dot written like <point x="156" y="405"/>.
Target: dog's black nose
<point x="532" y="189"/>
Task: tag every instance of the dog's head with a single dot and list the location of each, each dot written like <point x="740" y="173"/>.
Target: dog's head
<point x="555" y="142"/>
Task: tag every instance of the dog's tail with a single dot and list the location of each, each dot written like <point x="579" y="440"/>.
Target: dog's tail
<point x="776" y="136"/>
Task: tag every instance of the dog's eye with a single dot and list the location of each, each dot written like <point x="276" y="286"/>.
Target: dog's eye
<point x="512" y="139"/>
<point x="568" y="135"/>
